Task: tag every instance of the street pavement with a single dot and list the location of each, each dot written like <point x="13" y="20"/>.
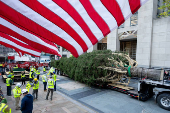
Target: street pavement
<point x="74" y="97"/>
<point x="105" y="100"/>
<point x="59" y="104"/>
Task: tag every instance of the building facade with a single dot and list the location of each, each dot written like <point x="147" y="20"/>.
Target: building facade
<point x="5" y="50"/>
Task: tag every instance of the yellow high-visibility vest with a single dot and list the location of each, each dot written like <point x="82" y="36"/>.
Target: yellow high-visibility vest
<point x="37" y="72"/>
<point x="54" y="77"/>
<point x="17" y="92"/>
<point x="50" y="84"/>
<point x="36" y="85"/>
<point x="30" y="75"/>
<point x="22" y="75"/>
<point x="43" y="78"/>
<point x="8" y="82"/>
<point x="0" y="64"/>
<point x="44" y="69"/>
<point x="3" y="106"/>
<point x="28" y="86"/>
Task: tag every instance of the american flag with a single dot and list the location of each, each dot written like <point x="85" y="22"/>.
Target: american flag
<point x="73" y="24"/>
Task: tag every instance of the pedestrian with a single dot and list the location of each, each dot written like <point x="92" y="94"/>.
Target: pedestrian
<point x="37" y="73"/>
<point x="44" y="80"/>
<point x="54" y="78"/>
<point x="23" y="78"/>
<point x="12" y="76"/>
<point x="34" y="69"/>
<point x="44" y="70"/>
<point x="26" y="102"/>
<point x="35" y="88"/>
<point x="8" y="84"/>
<point x="4" y="107"/>
<point x="17" y="95"/>
<point x="50" y="85"/>
<point x="31" y="75"/>
<point x="29" y="85"/>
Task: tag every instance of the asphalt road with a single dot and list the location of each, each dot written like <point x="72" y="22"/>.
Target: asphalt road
<point x="105" y="100"/>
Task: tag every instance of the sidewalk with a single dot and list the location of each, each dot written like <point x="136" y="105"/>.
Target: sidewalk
<point x="60" y="103"/>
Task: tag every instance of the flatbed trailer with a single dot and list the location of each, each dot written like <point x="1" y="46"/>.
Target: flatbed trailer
<point x="160" y="90"/>
<point x="17" y="76"/>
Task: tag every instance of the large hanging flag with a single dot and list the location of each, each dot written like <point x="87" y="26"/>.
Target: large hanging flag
<point x="73" y="24"/>
<point x="9" y="27"/>
<point x="19" y="46"/>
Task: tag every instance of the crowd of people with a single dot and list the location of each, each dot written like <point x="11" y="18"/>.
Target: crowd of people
<point x="48" y="79"/>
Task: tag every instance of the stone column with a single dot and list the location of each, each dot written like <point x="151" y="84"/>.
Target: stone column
<point x="144" y="36"/>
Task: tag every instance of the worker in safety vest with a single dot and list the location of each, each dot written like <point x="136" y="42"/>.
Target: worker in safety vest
<point x="51" y="71"/>
<point x="44" y="70"/>
<point x="4" y="107"/>
<point x="34" y="69"/>
<point x="38" y="74"/>
<point x="17" y="94"/>
<point x="23" y="78"/>
<point x="31" y="68"/>
<point x="35" y="88"/>
<point x="1" y="65"/>
<point x="50" y="85"/>
<point x="16" y="67"/>
<point x="44" y="80"/>
<point x="31" y="75"/>
<point x="8" y="84"/>
<point x="12" y="76"/>
<point x="54" y="78"/>
<point x="29" y="85"/>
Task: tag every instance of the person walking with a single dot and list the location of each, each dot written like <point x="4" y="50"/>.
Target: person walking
<point x="54" y="78"/>
<point x="50" y="87"/>
<point x="23" y="78"/>
<point x="31" y="75"/>
<point x="8" y="84"/>
<point x="35" y="88"/>
<point x="29" y="85"/>
<point x="44" y="70"/>
<point x="44" y="80"/>
<point x="17" y="95"/>
<point x="37" y="73"/>
<point x="26" y="102"/>
<point x="12" y="76"/>
<point x="4" y="107"/>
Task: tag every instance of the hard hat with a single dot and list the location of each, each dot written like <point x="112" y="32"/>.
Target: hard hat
<point x="18" y="84"/>
<point x="31" y="69"/>
<point x="4" y="100"/>
<point x="24" y="91"/>
<point x="9" y="76"/>
<point x="35" y="79"/>
<point x="53" y="71"/>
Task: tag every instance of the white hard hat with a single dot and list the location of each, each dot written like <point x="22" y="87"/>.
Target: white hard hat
<point x="18" y="84"/>
<point x="31" y="69"/>
<point x="24" y="91"/>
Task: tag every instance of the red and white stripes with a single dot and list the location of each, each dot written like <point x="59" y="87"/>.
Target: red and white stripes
<point x="73" y="24"/>
<point x="19" y="46"/>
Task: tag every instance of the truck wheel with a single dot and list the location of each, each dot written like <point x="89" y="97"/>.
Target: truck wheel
<point x="164" y="101"/>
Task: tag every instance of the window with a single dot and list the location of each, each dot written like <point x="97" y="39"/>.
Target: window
<point x="102" y="46"/>
<point x="158" y="10"/>
<point x="134" y="19"/>
<point x="121" y="26"/>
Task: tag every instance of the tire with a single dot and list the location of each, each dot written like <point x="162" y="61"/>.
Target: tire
<point x="164" y="101"/>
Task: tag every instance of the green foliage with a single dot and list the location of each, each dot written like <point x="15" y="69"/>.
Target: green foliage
<point x="84" y="68"/>
<point x="166" y="8"/>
